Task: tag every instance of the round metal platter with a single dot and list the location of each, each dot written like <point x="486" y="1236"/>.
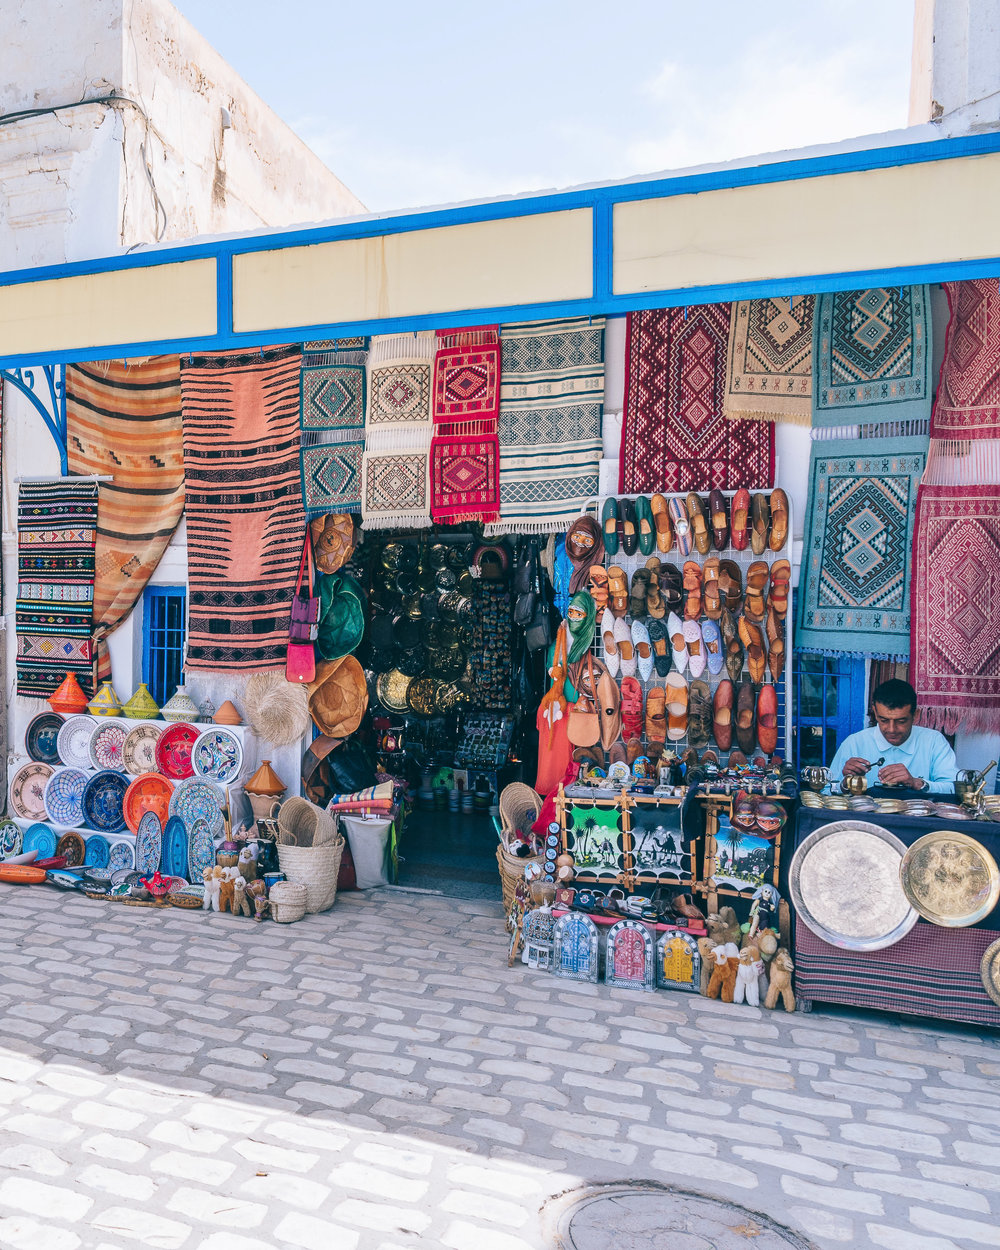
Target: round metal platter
<point x="950" y="878"/>
<point x="989" y="970"/>
<point x="844" y="883"/>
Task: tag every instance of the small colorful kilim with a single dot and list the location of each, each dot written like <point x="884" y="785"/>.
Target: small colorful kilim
<point x="465" y="452"/>
<point x="467" y="383"/>
<point x="465" y="479"/>
<point x="333" y="397"/>
<point x="396" y="465"/>
<point x="334" y="383"/>
<point x="331" y="477"/>
<point x="56" y="533"/>
<point x="968" y="396"/>
<point x="769" y="364"/>
<point x="675" y="436"/>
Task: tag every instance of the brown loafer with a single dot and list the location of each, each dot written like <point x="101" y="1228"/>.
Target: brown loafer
<point x="722" y="714"/>
<point x="753" y="639"/>
<point x="779" y="519"/>
<point x="734" y="648"/>
<point x="699" y="714"/>
<point x="720" y="519"/>
<point x="761" y="524"/>
<point x="753" y="600"/>
<point x="698" y="518"/>
<point x="661" y="523"/>
<point x="740" y="514"/>
<point x="745" y="707"/>
<point x="767" y="720"/>
<point x="711" y="591"/>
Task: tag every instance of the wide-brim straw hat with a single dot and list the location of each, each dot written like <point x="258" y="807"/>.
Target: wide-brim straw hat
<point x="333" y="540"/>
<point x="277" y="710"/>
<point x="338" y="698"/>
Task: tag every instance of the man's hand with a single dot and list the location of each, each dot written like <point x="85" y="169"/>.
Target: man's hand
<point x="856" y="767"/>
<point x="898" y="775"/>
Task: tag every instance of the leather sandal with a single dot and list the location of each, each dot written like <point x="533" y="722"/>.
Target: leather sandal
<point x="631" y="708"/>
<point x="753" y="640"/>
<point x="637" y="600"/>
<point x="659" y="640"/>
<point x="633" y="749"/>
<point x="654" y="600"/>
<point x="767" y="720"/>
<point x="618" y="590"/>
<point x="672" y="587"/>
<point x="630" y="527"/>
<point x="661" y="523"/>
<point x="692" y="586"/>
<point x="761" y="512"/>
<point x="720" y="520"/>
<point x="609" y="525"/>
<point x="745" y="707"/>
<point x="777" y="594"/>
<point x="699" y="714"/>
<point x="656" y="718"/>
<point x="598" y="586"/>
<point x="722" y="714"/>
<point x="753" y="600"/>
<point x="644" y="521"/>
<point x="731" y="584"/>
<point x="779" y="519"/>
<point x="698" y="518"/>
<point x="677" y="706"/>
<point x="774" y="628"/>
<point x="740" y="514"/>
<point x="734" y="648"/>
<point x="711" y="590"/>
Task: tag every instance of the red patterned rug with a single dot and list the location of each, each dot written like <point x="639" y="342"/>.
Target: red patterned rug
<point x="465" y="450"/>
<point x="465" y="479"/>
<point x="467" y="383"/>
<point x="955" y="587"/>
<point x="675" y="436"/>
<point x="968" y="395"/>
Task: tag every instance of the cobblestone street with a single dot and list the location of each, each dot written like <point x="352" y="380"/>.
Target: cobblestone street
<point x="375" y="1077"/>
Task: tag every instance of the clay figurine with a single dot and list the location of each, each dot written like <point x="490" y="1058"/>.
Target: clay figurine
<point x="781" y="982"/>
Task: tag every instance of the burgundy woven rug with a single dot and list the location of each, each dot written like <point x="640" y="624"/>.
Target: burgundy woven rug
<point x="675" y="436"/>
<point x="968" y="394"/>
<point x="954" y="625"/>
<point x="465" y="449"/>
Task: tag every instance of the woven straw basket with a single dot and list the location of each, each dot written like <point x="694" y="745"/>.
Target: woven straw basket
<point x="515" y="800"/>
<point x="301" y="823"/>
<point x="288" y="901"/>
<point x="315" y="867"/>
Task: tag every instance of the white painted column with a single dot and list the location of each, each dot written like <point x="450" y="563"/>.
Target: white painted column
<point x="956" y="61"/>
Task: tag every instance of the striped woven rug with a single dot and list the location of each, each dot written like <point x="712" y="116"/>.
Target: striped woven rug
<point x="244" y="505"/>
<point x="56" y="527"/>
<point x="125" y="421"/>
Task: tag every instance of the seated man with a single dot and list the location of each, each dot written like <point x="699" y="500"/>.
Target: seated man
<point x="912" y="756"/>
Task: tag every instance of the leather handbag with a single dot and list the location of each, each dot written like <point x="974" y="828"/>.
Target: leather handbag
<point x="583" y="727"/>
<point x="303" y="625"/>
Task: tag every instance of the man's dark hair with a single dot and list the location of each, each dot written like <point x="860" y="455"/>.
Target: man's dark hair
<point x="894" y="694"/>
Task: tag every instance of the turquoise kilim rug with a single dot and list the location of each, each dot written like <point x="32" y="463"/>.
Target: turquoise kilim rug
<point x="332" y="419"/>
<point x="854" y="586"/>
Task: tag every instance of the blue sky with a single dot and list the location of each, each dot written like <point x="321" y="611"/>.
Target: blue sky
<point x="427" y="103"/>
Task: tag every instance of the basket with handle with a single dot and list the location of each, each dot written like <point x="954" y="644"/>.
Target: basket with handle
<point x="315" y="867"/>
<point x="517" y="800"/>
<point x="288" y="901"/>
<point x="303" y="824"/>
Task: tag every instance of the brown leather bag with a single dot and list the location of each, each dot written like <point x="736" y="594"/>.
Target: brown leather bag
<point x="584" y="725"/>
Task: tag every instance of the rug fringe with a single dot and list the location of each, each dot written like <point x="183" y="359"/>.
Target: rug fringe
<point x="916" y="427"/>
<point x="950" y="719"/>
<point x="900" y="657"/>
<point x="397" y="521"/>
<point x="328" y="359"/>
<point x="962" y="462"/>
<point x="399" y="348"/>
<point x="497" y="529"/>
<point x="776" y="418"/>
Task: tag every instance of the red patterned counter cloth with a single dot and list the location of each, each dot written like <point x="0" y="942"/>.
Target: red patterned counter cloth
<point x="932" y="972"/>
<point x="244" y="505"/>
<point x="675" y="435"/>
<point x="967" y="405"/>
<point x="465" y="449"/>
<point x="954" y="624"/>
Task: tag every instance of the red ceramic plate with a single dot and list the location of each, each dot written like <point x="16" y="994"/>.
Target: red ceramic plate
<point x="173" y="750"/>
<point x="148" y="793"/>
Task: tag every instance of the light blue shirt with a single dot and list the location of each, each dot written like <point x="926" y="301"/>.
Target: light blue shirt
<point x="925" y="753"/>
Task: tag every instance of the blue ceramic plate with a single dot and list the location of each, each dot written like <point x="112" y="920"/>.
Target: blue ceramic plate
<point x="121" y="857"/>
<point x="102" y="801"/>
<point x="174" y="853"/>
<point x="40" y="838"/>
<point x="64" y="796"/>
<point x="10" y="839"/>
<point x="98" y="851"/>
<point x="148" y="842"/>
<point x="40" y="738"/>
<point x="201" y="850"/>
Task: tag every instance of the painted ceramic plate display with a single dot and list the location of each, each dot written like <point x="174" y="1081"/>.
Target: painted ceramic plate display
<point x="11" y="839"/>
<point x="198" y="799"/>
<point x="74" y="741"/>
<point x="201" y="849"/>
<point x="174" y="848"/>
<point x="139" y="749"/>
<point x="98" y="853"/>
<point x="102" y="801"/>
<point x="27" y="791"/>
<point x="41" y="738"/>
<point x="173" y="750"/>
<point x="218" y="753"/>
<point x="64" y="796"/>
<point x="844" y="883"/>
<point x="950" y="878"/>
<point x="40" y="839"/>
<point x="148" y="793"/>
<point x="73" y="848"/>
<point x="121" y="859"/>
<point x="148" y="842"/>
<point x="106" y="745"/>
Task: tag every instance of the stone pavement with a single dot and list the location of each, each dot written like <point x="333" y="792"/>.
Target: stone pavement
<point x="377" y="1078"/>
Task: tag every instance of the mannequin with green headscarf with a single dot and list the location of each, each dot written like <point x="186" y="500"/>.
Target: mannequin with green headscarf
<point x="581" y="621"/>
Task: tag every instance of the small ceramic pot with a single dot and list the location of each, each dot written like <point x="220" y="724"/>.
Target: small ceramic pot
<point x="180" y="707"/>
<point x="142" y="705"/>
<point x="105" y="702"/>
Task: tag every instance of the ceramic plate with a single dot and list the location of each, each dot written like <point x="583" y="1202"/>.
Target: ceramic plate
<point x="174" y="853"/>
<point x="98" y="851"/>
<point x="121" y="858"/>
<point x="139" y="749"/>
<point x="74" y="741"/>
<point x="27" y="791"/>
<point x="11" y="839"/>
<point x="218" y="753"/>
<point x="844" y="883"/>
<point x="148" y="843"/>
<point x="106" y="745"/>
<point x="198" y="799"/>
<point x="950" y="878"/>
<point x="73" y="848"/>
<point x="100" y="875"/>
<point x="41" y="738"/>
<point x="64" y="796"/>
<point x="148" y="793"/>
<point x="41" y="839"/>
<point x="173" y="750"/>
<point x="201" y="849"/>
<point x="102" y="801"/>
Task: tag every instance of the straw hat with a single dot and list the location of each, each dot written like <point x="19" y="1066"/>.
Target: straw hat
<point x="277" y="710"/>
<point x="338" y="698"/>
<point x="333" y="540"/>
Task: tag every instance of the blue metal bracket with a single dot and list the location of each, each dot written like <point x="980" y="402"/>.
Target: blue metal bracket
<point x="51" y="406"/>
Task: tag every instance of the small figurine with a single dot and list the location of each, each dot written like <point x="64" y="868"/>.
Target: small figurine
<point x="724" y="927"/>
<point x="241" y="904"/>
<point x="705" y="947"/>
<point x="247" y="863"/>
<point x="747" y="987"/>
<point x="723" y="979"/>
<point x="213" y="885"/>
<point x="763" y="909"/>
<point x="781" y="982"/>
<point x="257" y="891"/>
<point x="226" y="890"/>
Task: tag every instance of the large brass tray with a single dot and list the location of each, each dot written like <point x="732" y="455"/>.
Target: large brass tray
<point x="950" y="878"/>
